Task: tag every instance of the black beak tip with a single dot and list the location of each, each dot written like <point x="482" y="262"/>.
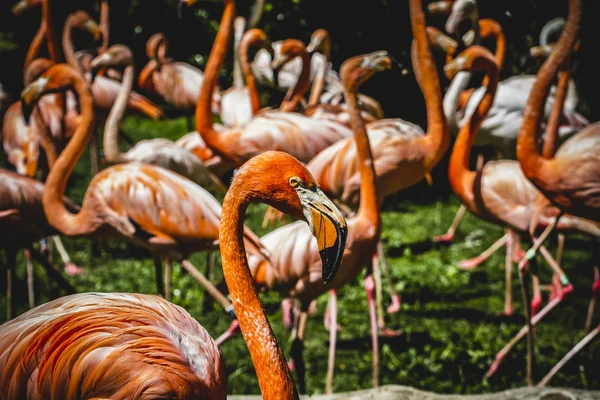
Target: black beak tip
<point x="331" y="257"/>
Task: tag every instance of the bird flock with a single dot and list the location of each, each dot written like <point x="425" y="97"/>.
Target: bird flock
<point x="325" y="156"/>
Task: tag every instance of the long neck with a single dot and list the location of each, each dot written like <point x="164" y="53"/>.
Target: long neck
<point x="438" y="136"/>
<point x="52" y="200"/>
<point x="111" y="129"/>
<point x="295" y="94"/>
<point x="489" y="27"/>
<point x="68" y="47"/>
<point x="551" y="138"/>
<point x="51" y="39"/>
<point x="46" y="140"/>
<point x="104" y="26"/>
<point x="452" y="98"/>
<point x="368" y="208"/>
<point x="249" y="76"/>
<point x="532" y="162"/>
<point x="35" y="46"/>
<point x="461" y="177"/>
<point x="272" y="371"/>
<point x="204" y="122"/>
<point x="238" y="77"/>
<point x="319" y="83"/>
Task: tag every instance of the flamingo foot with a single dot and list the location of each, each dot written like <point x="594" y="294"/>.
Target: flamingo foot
<point x="291" y="365"/>
<point x="596" y="287"/>
<point x="72" y="269"/>
<point x="536" y="304"/>
<point x="387" y="332"/>
<point x="508" y="310"/>
<point x="395" y="306"/>
<point x="471" y="263"/>
<point x="446" y="238"/>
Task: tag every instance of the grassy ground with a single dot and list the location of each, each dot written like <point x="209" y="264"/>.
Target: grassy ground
<point x="451" y="319"/>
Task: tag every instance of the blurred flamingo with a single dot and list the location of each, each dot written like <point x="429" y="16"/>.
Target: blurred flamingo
<point x="148" y="205"/>
<point x="168" y="354"/>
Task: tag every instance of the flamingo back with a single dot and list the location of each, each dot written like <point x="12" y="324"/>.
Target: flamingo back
<point x="236" y="107"/>
<point x="109" y="345"/>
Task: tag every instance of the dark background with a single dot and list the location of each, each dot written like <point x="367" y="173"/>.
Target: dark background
<point x="355" y="27"/>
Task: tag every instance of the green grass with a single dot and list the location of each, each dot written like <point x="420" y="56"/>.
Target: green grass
<point x="451" y="319"/>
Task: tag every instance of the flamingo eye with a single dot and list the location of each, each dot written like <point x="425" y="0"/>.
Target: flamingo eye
<point x="295" y="181"/>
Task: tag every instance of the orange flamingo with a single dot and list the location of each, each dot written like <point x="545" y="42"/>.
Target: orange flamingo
<point x="571" y="179"/>
<point x="160" y="152"/>
<point x="297" y="134"/>
<point x="294" y="259"/>
<point x="119" y="345"/>
<point x="22" y="222"/>
<point x="148" y="205"/>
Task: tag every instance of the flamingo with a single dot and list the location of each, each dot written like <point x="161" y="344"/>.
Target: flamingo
<point x="178" y="83"/>
<point x="121" y="345"/>
<point x="571" y="179"/>
<point x="501" y="127"/>
<point x="301" y="136"/>
<point x="160" y="152"/>
<point x="294" y="255"/>
<point x="22" y="222"/>
<point x="148" y="205"/>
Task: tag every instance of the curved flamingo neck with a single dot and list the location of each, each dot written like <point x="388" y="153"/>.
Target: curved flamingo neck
<point x="533" y="164"/>
<point x="51" y="39"/>
<point x="491" y="28"/>
<point x="369" y="206"/>
<point x="248" y="40"/>
<point x="35" y="46"/>
<point x="46" y="140"/>
<point x="438" y="135"/>
<point x="68" y="46"/>
<point x="204" y="122"/>
<point x="461" y="178"/>
<point x="272" y="372"/>
<point x="56" y="182"/>
<point x="452" y="98"/>
<point x="145" y="79"/>
<point x="295" y="94"/>
<point x="319" y="83"/>
<point x="104" y="25"/>
<point x="111" y="129"/>
<point x="238" y="77"/>
<point x="551" y="139"/>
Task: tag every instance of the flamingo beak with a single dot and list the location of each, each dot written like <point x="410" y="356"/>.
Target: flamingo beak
<point x="440" y="7"/>
<point x="20" y="7"/>
<point x="455" y="66"/>
<point x="327" y="225"/>
<point x="94" y="29"/>
<point x="30" y="96"/>
<point x="99" y="62"/>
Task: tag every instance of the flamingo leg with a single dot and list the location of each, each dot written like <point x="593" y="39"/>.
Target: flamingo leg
<point x="476" y="261"/>
<point x="168" y="278"/>
<point x="523" y="331"/>
<point x="70" y="267"/>
<point x="578" y="347"/>
<point x="30" y="288"/>
<point x="378" y="292"/>
<point x="523" y="276"/>
<point x="286" y="313"/>
<point x="158" y="275"/>
<point x="208" y="286"/>
<point x="11" y="259"/>
<point x="369" y="285"/>
<point x="396" y="299"/>
<point x="234" y="328"/>
<point x="297" y="352"/>
<point x="592" y="305"/>
<point x="332" y="340"/>
<point x="448" y="237"/>
<point x="508" y="302"/>
<point x="52" y="272"/>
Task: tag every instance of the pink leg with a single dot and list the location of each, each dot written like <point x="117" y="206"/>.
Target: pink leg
<point x="286" y="313"/>
<point x="595" y="291"/>
<point x="370" y="289"/>
<point x="30" y="288"/>
<point x="474" y="262"/>
<point x="590" y="336"/>
<point x="448" y="237"/>
<point x="394" y="307"/>
<point x="502" y="353"/>
<point x="332" y="340"/>
<point x="508" y="303"/>
<point x="233" y="329"/>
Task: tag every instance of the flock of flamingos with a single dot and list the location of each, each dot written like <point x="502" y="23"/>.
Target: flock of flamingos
<point x="327" y="159"/>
